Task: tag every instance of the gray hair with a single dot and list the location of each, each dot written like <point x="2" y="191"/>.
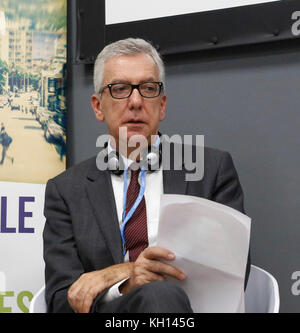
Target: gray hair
<point x="123" y="47"/>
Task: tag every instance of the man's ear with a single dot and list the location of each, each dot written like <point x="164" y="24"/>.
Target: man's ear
<point x="97" y="107"/>
<point x="163" y="105"/>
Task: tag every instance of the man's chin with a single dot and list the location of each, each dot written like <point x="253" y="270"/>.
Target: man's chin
<point x="132" y="131"/>
<point x="133" y="135"/>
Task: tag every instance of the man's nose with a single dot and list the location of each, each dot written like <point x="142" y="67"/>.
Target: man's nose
<point x="135" y="99"/>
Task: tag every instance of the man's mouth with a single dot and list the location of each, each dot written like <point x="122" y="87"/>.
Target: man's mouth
<point x="135" y="122"/>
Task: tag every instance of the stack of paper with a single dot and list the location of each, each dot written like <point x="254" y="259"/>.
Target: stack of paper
<point x="211" y="243"/>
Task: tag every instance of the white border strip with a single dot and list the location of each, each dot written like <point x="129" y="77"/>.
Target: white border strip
<point x="120" y="11"/>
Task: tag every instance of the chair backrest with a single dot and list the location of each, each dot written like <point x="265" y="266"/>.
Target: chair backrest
<point x="262" y="292"/>
<point x="38" y="303"/>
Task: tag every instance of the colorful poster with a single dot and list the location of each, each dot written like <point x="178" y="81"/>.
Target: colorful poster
<point x="32" y="137"/>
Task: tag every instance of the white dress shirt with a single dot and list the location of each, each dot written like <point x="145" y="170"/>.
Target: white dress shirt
<point x="153" y="191"/>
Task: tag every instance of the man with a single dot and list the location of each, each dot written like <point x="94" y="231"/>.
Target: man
<point x="5" y="140"/>
<point x="87" y="269"/>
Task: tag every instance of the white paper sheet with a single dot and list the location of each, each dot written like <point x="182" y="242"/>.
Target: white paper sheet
<point x="211" y="243"/>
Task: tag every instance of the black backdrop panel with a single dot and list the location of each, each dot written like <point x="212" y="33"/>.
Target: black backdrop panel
<point x="244" y="25"/>
<point x="90" y="30"/>
<point x="213" y="29"/>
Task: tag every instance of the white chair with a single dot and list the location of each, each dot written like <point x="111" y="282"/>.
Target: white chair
<point x="38" y="302"/>
<point x="262" y="292"/>
<point x="261" y="295"/>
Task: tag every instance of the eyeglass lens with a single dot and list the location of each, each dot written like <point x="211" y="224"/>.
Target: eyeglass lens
<point x="123" y="90"/>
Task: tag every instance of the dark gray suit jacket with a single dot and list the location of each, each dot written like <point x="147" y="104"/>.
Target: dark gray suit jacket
<point x="82" y="231"/>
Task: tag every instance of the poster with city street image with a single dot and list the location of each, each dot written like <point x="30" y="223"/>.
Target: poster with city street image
<point x="32" y="138"/>
<point x="32" y="90"/>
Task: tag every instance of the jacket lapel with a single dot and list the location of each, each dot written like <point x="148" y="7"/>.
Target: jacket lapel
<point x="101" y="197"/>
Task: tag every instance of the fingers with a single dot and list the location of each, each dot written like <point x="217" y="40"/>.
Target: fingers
<point x="164" y="269"/>
<point x="147" y="276"/>
<point x="151" y="263"/>
<point x="155" y="252"/>
<point x="139" y="277"/>
<point x="88" y="299"/>
<point x="84" y="290"/>
<point x="147" y="268"/>
<point x="77" y="294"/>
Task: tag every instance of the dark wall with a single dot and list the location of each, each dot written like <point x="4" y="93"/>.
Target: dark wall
<point x="245" y="101"/>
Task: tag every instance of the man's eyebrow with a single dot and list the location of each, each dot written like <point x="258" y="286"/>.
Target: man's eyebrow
<point x="148" y="79"/>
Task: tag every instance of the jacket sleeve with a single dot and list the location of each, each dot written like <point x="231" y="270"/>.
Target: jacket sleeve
<point x="228" y="191"/>
<point x="62" y="264"/>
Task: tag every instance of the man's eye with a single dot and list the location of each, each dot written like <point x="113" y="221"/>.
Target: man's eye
<point x="119" y="89"/>
<point x="148" y="87"/>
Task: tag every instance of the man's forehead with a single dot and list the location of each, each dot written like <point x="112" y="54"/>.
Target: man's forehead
<point x="138" y="66"/>
<point x="131" y="58"/>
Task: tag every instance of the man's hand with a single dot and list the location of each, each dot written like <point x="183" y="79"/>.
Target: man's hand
<point x="84" y="290"/>
<point x="147" y="269"/>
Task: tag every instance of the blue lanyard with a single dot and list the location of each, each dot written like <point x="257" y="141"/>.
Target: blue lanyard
<point x="126" y="218"/>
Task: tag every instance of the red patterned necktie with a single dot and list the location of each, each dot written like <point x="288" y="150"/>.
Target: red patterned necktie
<point x="136" y="235"/>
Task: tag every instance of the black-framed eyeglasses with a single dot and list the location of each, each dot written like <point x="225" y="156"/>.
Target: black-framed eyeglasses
<point x="124" y="90"/>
